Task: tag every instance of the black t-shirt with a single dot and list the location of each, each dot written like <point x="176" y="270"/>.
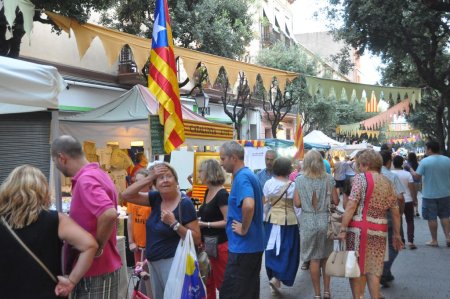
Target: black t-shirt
<point x="210" y="212"/>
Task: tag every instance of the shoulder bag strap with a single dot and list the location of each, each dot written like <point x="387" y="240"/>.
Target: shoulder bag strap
<point x="11" y="231"/>
<point x="282" y="194"/>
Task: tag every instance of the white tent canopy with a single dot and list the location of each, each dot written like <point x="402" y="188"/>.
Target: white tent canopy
<point x="318" y="137"/>
<point x="27" y="86"/>
<point x="123" y="120"/>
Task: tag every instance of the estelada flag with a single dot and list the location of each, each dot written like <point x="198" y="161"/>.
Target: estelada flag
<point x="298" y="140"/>
<point x="162" y="79"/>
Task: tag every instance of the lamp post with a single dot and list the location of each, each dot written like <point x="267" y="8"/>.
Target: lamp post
<point x="202" y="102"/>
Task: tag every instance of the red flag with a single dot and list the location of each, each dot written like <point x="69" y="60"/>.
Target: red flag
<point x="298" y="140"/>
<point x="162" y="79"/>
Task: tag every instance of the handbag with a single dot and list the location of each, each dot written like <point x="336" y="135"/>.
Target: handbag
<point x="343" y="263"/>
<point x="28" y="250"/>
<point x="334" y="219"/>
<point x="210" y="243"/>
<point x="269" y="206"/>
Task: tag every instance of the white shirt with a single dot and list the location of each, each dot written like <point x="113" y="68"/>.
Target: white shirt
<point x="274" y="185"/>
<point x="405" y="178"/>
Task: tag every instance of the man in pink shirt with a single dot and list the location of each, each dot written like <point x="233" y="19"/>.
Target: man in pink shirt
<point x="93" y="207"/>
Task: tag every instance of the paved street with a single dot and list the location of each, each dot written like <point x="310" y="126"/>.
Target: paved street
<point x="421" y="273"/>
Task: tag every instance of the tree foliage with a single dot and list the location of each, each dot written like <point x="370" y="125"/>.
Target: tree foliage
<point x="79" y="10"/>
<point x="429" y="116"/>
<point x="220" y="27"/>
<point x="318" y="112"/>
<point x="397" y="30"/>
<point x="343" y="60"/>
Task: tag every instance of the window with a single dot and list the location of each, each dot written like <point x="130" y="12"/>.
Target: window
<point x="288" y="134"/>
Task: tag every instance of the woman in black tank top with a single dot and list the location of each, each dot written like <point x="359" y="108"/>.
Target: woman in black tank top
<point x="24" y="203"/>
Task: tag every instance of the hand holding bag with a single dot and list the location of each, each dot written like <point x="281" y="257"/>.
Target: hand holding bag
<point x="184" y="280"/>
<point x="202" y="256"/>
<point x="334" y="218"/>
<point x="343" y="264"/>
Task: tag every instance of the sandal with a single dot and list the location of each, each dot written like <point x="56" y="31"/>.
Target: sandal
<point x="316" y="297"/>
<point x="326" y="295"/>
<point x="275" y="285"/>
<point x="431" y="244"/>
<point x="305" y="266"/>
<point x="412" y="246"/>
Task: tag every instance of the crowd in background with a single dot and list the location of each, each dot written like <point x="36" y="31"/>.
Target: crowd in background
<point x="280" y="213"/>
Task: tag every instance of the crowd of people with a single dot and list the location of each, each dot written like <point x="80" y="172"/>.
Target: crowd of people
<point x="279" y="213"/>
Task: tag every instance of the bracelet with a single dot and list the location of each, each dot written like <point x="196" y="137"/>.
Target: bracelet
<point x="173" y="224"/>
<point x="209" y="224"/>
<point x="343" y="230"/>
<point x="71" y="281"/>
<point x="99" y="253"/>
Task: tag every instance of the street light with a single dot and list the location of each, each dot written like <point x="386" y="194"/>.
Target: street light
<point x="202" y="102"/>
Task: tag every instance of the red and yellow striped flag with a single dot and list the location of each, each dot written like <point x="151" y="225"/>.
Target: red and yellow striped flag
<point x="162" y="79"/>
<point x="298" y="140"/>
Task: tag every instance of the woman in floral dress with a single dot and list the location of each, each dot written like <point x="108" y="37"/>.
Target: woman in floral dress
<point x="364" y="224"/>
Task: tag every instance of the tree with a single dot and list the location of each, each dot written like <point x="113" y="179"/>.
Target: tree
<point x="400" y="29"/>
<point x="318" y="112"/>
<point x="343" y="60"/>
<point x="238" y="102"/>
<point x="429" y="117"/>
<point x="220" y="27"/>
<point x="276" y="104"/>
<point x="79" y="10"/>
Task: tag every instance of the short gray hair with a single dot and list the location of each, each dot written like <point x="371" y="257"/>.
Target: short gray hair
<point x="67" y="145"/>
<point x="271" y="151"/>
<point x="233" y="148"/>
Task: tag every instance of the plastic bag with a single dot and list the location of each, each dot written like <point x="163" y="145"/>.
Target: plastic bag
<point x="184" y="281"/>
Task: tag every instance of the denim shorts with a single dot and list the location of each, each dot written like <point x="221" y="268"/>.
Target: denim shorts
<point x="434" y="207"/>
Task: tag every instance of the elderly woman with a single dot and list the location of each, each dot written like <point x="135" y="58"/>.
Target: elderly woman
<point x="213" y="215"/>
<point x="364" y="223"/>
<point x="172" y="215"/>
<point x="24" y="205"/>
<point x="314" y="192"/>
<point x="282" y="258"/>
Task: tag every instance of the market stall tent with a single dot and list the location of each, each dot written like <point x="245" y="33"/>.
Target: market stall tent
<point x="28" y="114"/>
<point x="125" y="119"/>
<point x="318" y="137"/>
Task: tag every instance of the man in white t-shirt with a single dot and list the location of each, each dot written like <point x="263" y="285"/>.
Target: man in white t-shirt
<point x="410" y="197"/>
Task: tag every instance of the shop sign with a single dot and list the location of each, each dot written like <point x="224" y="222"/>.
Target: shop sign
<point x="156" y="135"/>
<point x="201" y="130"/>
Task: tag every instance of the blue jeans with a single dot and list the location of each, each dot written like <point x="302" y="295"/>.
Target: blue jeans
<point x="392" y="252"/>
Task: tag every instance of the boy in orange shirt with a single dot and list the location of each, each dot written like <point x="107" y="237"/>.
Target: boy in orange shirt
<point x="137" y="217"/>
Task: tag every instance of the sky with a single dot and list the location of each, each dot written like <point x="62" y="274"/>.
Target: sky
<point x="308" y="18"/>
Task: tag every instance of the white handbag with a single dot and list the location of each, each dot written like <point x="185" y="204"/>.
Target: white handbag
<point x="343" y="263"/>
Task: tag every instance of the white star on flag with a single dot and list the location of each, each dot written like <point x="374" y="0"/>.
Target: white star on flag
<point x="157" y="29"/>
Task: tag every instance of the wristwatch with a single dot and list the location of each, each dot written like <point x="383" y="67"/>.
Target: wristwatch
<point x="176" y="226"/>
<point x="343" y="230"/>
